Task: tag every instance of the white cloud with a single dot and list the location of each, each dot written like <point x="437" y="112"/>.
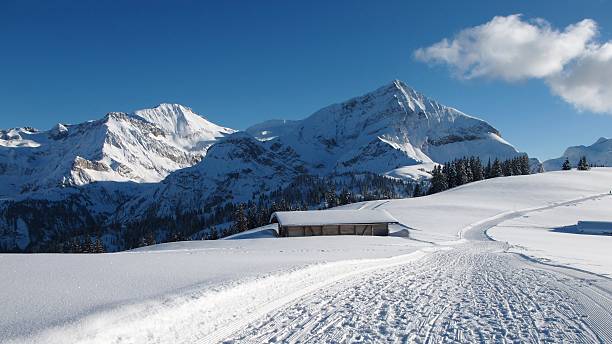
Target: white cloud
<point x="587" y="82"/>
<point x="570" y="61"/>
<point x="510" y="48"/>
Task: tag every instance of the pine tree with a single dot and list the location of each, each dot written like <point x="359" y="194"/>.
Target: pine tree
<point x="417" y="190"/>
<point x="496" y="169"/>
<point x="525" y="165"/>
<point x="241" y="223"/>
<point x="506" y="168"/>
<point x="75" y="246"/>
<point x="451" y="177"/>
<point x="566" y="165"/>
<point x="468" y="169"/>
<point x="462" y="175"/>
<point x="88" y="246"/>
<point x="476" y="167"/>
<point x="438" y="181"/>
<point x="149" y="239"/>
<point x="330" y="196"/>
<point x="214" y="234"/>
<point x="99" y="246"/>
<point x="488" y="170"/>
<point x="583" y="165"/>
<point x="516" y="165"/>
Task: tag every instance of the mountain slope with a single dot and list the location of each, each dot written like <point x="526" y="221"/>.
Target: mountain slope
<point x="390" y="127"/>
<point x="599" y="153"/>
<point x="272" y="128"/>
<point x="393" y="126"/>
<point x="236" y="169"/>
<point x="141" y="147"/>
<point x="191" y="174"/>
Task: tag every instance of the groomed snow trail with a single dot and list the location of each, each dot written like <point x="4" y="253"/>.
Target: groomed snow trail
<point x="476" y="292"/>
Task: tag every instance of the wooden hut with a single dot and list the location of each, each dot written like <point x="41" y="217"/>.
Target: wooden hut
<point x="332" y="222"/>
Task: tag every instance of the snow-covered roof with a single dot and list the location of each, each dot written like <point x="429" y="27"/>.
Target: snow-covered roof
<point x="331" y="217"/>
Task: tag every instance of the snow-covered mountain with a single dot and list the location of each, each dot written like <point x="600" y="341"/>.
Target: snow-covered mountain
<point x="390" y="127"/>
<point x="235" y="169"/>
<point x="599" y="154"/>
<point x="196" y="171"/>
<point x="144" y="146"/>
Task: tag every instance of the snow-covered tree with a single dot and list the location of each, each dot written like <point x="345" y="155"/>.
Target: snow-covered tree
<point x="241" y="223"/>
<point x="417" y="190"/>
<point x="88" y="246"/>
<point x="566" y="165"/>
<point x="496" y="169"/>
<point x="583" y="164"/>
<point x="438" y="181"/>
<point x="462" y="175"/>
<point x="99" y="246"/>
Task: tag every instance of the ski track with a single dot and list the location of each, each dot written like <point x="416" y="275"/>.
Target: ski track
<point x="466" y="291"/>
<point x="476" y="292"/>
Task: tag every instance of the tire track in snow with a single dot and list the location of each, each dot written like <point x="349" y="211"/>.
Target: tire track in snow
<point x="209" y="316"/>
<point x="476" y="292"/>
<point x="459" y="295"/>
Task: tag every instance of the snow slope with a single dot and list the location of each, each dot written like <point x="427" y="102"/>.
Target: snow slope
<point x="599" y="154"/>
<point x="268" y="290"/>
<point x="45" y="290"/>
<point x="418" y="172"/>
<point x="551" y="235"/>
<point x="442" y="216"/>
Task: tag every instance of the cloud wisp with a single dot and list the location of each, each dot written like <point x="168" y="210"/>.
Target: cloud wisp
<point x="571" y="62"/>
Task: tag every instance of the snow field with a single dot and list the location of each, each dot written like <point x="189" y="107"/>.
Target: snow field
<point x="469" y="294"/>
<point x="464" y="288"/>
<point x="50" y="290"/>
<point x="550" y="235"/>
<point x="440" y="217"/>
<point x="213" y="313"/>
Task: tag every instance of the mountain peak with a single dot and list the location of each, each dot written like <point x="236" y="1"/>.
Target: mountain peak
<point x="175" y="107"/>
<point x="399" y="84"/>
<point x="179" y="120"/>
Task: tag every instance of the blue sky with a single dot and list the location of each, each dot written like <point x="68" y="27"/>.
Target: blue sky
<point x="238" y="63"/>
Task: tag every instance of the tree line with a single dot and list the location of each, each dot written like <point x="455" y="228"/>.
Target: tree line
<point x="470" y="169"/>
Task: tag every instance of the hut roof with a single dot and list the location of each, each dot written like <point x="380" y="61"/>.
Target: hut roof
<point x="331" y="217"/>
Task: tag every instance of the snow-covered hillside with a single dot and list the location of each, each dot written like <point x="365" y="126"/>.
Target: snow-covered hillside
<point x="551" y="234"/>
<point x="142" y="147"/>
<point x="599" y="154"/>
<point x="443" y="216"/>
<point x="459" y="287"/>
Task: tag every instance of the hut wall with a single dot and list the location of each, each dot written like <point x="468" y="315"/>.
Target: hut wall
<point x="380" y="229"/>
<point x="377" y="229"/>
